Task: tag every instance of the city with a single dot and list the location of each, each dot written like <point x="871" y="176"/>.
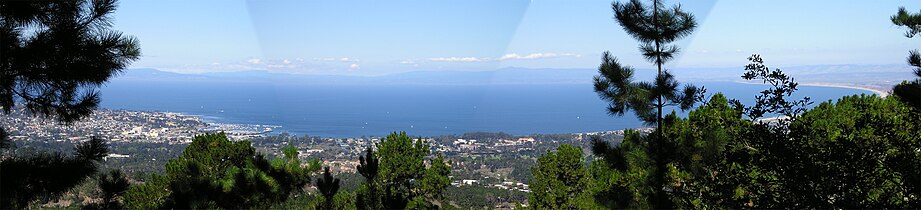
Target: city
<point x="478" y="159"/>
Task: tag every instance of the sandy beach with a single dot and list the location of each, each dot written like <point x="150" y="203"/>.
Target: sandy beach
<point x="877" y="90"/>
<point x="880" y="93"/>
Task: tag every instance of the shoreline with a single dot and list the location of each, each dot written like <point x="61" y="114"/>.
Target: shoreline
<point x="880" y="93"/>
<point x="241" y="131"/>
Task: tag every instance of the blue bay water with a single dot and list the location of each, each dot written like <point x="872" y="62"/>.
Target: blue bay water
<point x="426" y="110"/>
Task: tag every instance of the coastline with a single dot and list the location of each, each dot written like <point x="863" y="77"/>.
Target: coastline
<point x="877" y="91"/>
<point x="880" y="93"/>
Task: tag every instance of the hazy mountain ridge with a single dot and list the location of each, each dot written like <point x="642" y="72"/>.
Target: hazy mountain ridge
<point x="850" y="74"/>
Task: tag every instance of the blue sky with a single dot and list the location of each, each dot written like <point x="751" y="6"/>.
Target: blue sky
<point x="346" y="37"/>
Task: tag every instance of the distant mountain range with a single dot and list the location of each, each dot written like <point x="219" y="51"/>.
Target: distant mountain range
<point x="853" y="74"/>
<point x="502" y="76"/>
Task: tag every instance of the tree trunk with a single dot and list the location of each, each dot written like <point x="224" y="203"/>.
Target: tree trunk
<point x="660" y="199"/>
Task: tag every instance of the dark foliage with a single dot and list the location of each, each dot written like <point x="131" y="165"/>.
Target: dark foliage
<point x="368" y="198"/>
<point x="859" y="152"/>
<point x="112" y="186"/>
<point x="482" y="197"/>
<point x="328" y="187"/>
<point x="908" y="20"/>
<point x="45" y="176"/>
<point x="401" y="178"/>
<point x="910" y="91"/>
<point x="369" y="165"/>
<point x="94" y="149"/>
<point x="4" y="139"/>
<point x="773" y="100"/>
<point x="55" y="53"/>
<point x="214" y="172"/>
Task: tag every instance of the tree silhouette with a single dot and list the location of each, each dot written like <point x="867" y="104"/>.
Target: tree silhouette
<point x="4" y="139"/>
<point x="368" y="164"/>
<point x="655" y="27"/>
<point x="111" y="185"/>
<point x="773" y="100"/>
<point x="910" y="91"/>
<point x="328" y="187"/>
<point x="54" y="55"/>
<point x="368" y="197"/>
<point x="45" y="176"/>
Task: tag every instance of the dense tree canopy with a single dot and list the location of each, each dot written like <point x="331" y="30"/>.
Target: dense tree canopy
<point x="214" y="172"/>
<point x="859" y="152"/>
<point x="398" y="178"/>
<point x="559" y="179"/>
<point x="622" y="177"/>
<point x="45" y="176"/>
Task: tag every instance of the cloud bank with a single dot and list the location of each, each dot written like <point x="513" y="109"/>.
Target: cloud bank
<point x="510" y="56"/>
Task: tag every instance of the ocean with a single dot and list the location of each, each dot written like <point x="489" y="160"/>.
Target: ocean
<point x="355" y="110"/>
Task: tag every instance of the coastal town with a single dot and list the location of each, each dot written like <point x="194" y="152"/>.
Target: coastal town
<point x="123" y="126"/>
<point x="479" y="159"/>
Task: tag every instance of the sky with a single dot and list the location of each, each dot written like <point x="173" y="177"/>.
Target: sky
<point x="346" y="37"/>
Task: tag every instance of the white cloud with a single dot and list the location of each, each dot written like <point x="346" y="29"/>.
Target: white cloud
<point x="516" y="56"/>
<point x="410" y="63"/>
<point x="459" y="59"/>
<point x="290" y="65"/>
<point x="337" y="59"/>
<point x="510" y="56"/>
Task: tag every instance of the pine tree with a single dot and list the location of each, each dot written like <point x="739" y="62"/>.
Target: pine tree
<point x="46" y="176"/>
<point x="559" y="179"/>
<point x="655" y="27"/>
<point x="398" y="177"/>
<point x="53" y="55"/>
<point x="368" y="165"/>
<point x="214" y="172"/>
<point x="368" y="197"/>
<point x="112" y="185"/>
<point x="910" y="91"/>
<point x="328" y="187"/>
